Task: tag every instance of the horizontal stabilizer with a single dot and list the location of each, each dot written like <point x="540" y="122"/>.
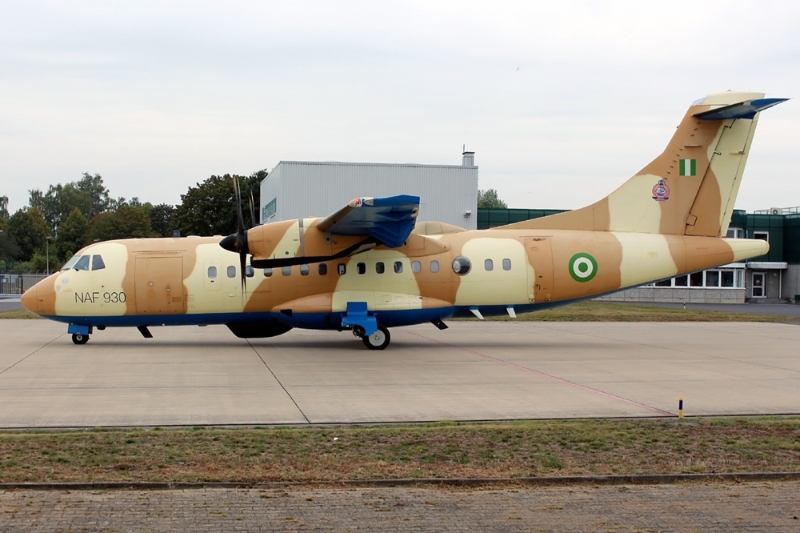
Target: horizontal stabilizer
<point x="747" y="109"/>
<point x="388" y="220"/>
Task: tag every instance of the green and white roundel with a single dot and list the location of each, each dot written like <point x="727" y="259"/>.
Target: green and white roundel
<point x="582" y="267"/>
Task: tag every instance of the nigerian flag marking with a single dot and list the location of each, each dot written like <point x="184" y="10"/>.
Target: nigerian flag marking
<point x="688" y="167"/>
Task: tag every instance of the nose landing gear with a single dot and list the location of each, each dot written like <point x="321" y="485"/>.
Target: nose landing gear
<point x="79" y="338"/>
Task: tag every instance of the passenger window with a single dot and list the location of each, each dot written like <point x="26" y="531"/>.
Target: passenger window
<point x="97" y="262"/>
<point x="488" y="265"/>
<point x="286" y="271"/>
<point x="249" y="272"/>
<point x="212" y="272"/>
<point x="304" y="270"/>
<point x="506" y="264"/>
<point x="83" y="263"/>
<point x="379" y="268"/>
<point x="398" y="267"/>
<point x="323" y="269"/>
<point x="434" y="266"/>
<point x="267" y="272"/>
<point x="342" y="269"/>
<point x="231" y="271"/>
<point x="416" y="266"/>
<point x="361" y="268"/>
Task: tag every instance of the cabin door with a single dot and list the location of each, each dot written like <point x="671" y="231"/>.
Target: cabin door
<point x="540" y="256"/>
<point x="159" y="285"/>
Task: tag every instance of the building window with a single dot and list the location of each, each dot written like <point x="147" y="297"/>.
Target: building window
<point x="506" y="264"/>
<point x="267" y="272"/>
<point x="735" y="233"/>
<point x="716" y="278"/>
<point x="304" y="270"/>
<point x="231" y="271"/>
<point x="212" y="272"/>
<point x="416" y="267"/>
<point x="286" y="271"/>
<point x="341" y="268"/>
<point x="488" y="265"/>
<point x="434" y="266"/>
<point x="361" y="268"/>
<point x="380" y="268"/>
<point x="763" y="235"/>
<point x="398" y="267"/>
<point x="322" y="269"/>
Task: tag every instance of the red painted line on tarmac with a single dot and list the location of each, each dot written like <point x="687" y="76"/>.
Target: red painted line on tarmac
<point x="544" y="375"/>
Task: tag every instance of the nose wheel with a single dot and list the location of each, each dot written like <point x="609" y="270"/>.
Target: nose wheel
<point x="378" y="340"/>
<point x="79" y="338"/>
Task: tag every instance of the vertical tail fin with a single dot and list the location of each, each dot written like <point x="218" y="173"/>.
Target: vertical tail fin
<point x="691" y="188"/>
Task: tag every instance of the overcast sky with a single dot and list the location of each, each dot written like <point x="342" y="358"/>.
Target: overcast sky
<point x="561" y="101"/>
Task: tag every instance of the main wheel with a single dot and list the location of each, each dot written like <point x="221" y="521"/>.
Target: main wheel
<point x="78" y="338"/>
<point x="378" y="340"/>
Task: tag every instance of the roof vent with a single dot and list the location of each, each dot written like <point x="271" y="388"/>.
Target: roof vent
<point x="467" y="159"/>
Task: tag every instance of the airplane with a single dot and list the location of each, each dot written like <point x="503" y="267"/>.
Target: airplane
<point x="369" y="266"/>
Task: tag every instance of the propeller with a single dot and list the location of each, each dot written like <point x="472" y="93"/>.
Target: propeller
<point x="237" y="242"/>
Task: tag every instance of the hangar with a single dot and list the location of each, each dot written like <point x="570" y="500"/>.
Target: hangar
<point x="299" y="189"/>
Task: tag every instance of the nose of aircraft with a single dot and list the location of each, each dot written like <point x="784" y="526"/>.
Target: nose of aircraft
<point x="29" y="300"/>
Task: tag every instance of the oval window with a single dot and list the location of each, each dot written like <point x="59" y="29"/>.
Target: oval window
<point x="461" y="265"/>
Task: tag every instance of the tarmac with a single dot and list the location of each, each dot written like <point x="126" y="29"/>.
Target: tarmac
<point x="472" y="371"/>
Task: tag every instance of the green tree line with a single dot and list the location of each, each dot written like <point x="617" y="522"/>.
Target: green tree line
<point x="60" y="221"/>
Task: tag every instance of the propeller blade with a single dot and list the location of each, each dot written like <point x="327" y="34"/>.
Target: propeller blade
<point x="252" y="210"/>
<point x="241" y="235"/>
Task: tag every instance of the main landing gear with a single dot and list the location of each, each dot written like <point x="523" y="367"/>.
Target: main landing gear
<point x="79" y="338"/>
<point x="378" y="340"/>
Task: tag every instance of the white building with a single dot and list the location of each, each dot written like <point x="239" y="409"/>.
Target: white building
<point x="299" y="189"/>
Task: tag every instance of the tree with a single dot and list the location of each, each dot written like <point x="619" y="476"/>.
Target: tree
<point x="72" y="234"/>
<point x="8" y="248"/>
<point x="58" y="202"/>
<point x="161" y="219"/>
<point x="125" y="223"/>
<point x="488" y="199"/>
<point x="28" y="230"/>
<point x="99" y="198"/>
<point x="210" y="207"/>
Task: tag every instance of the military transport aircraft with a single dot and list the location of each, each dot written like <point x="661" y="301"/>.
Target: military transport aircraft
<point x="367" y="268"/>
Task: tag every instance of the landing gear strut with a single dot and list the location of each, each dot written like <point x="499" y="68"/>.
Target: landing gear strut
<point x="79" y="338"/>
<point x="379" y="340"/>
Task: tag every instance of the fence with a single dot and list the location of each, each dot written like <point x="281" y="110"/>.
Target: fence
<point x="16" y="284"/>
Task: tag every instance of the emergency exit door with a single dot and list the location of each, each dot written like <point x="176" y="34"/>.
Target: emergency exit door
<point x="540" y="256"/>
<point x="159" y="285"/>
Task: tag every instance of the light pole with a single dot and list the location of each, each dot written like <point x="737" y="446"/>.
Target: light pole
<point x="47" y="247"/>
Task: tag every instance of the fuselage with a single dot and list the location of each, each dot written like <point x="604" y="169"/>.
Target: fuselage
<point x="183" y="281"/>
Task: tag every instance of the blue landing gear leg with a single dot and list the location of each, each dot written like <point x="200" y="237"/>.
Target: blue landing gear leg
<point x="375" y="337"/>
<point x="80" y="333"/>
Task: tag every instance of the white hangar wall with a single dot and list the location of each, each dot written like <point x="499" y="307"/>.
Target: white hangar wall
<point x="298" y="189"/>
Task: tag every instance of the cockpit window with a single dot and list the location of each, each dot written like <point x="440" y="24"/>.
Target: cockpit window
<point x="71" y="263"/>
<point x="83" y="263"/>
<point x="97" y="262"/>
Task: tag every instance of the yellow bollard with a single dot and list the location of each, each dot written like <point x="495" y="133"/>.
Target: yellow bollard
<point x="680" y="407"/>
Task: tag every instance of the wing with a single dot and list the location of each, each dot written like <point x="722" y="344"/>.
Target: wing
<point x="388" y="220"/>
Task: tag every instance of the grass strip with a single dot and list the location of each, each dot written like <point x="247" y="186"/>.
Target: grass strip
<point x="17" y="313"/>
<point x="441" y="450"/>
<point x="592" y="311"/>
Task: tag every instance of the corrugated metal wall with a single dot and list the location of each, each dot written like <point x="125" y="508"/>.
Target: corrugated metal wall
<point x="303" y="189"/>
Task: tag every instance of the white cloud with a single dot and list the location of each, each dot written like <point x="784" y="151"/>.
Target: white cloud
<point x="156" y="96"/>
